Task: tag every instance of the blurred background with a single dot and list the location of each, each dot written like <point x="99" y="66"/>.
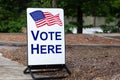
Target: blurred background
<point x="81" y="16"/>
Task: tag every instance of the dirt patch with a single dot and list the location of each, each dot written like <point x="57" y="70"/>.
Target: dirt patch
<point x="70" y="38"/>
<point x="85" y="62"/>
<point x="91" y="62"/>
<point x="17" y="37"/>
<point x="89" y="39"/>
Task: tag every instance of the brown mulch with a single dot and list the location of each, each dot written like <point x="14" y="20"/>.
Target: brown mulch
<point x="17" y="37"/>
<point x="85" y="62"/>
<point x="70" y="38"/>
<point x="89" y="39"/>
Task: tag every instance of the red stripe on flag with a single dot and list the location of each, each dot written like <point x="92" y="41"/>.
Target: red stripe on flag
<point x="49" y="20"/>
<point x="40" y="23"/>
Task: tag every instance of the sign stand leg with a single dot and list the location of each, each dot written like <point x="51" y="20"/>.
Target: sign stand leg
<point x="68" y="71"/>
<point x="30" y="69"/>
<point x="26" y="70"/>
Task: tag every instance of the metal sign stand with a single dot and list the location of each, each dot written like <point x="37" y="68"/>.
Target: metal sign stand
<point x="46" y="68"/>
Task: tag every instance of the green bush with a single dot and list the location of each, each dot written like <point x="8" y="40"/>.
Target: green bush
<point x="13" y="25"/>
<point x="88" y="26"/>
<point x="109" y="29"/>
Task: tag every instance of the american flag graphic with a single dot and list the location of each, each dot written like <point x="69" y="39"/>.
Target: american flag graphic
<point x="45" y="18"/>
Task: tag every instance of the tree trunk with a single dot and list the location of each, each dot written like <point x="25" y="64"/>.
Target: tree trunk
<point x="94" y="21"/>
<point x="79" y="20"/>
<point x="54" y="3"/>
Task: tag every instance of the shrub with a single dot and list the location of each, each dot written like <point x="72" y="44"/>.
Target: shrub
<point x="110" y="28"/>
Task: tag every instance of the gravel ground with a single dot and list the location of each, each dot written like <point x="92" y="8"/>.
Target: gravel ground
<point x="85" y="62"/>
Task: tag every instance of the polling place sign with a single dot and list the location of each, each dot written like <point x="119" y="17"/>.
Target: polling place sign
<point x="45" y="30"/>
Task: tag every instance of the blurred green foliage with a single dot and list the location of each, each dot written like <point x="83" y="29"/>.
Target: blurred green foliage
<point x="110" y="28"/>
<point x="13" y="12"/>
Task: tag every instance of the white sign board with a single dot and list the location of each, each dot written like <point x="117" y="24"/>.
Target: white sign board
<point x="45" y="29"/>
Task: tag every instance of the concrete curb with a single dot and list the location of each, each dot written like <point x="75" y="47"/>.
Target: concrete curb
<point x="9" y="43"/>
<point x="94" y="45"/>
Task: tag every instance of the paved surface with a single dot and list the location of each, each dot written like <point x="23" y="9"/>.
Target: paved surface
<point x="11" y="70"/>
<point x="10" y="43"/>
